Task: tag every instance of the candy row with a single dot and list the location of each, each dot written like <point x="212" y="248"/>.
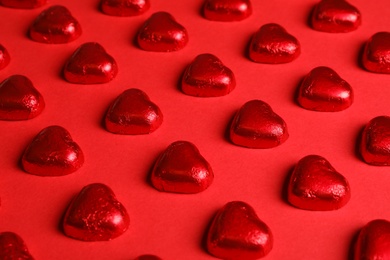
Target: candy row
<point x="236" y="232"/>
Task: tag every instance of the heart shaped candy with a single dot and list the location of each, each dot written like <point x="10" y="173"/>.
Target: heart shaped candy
<point x="373" y="241"/>
<point x="315" y="185"/>
<point x="19" y="100"/>
<point x="375" y="142"/>
<point x="12" y="247"/>
<point x="255" y="125"/>
<point x="273" y="44"/>
<point x="227" y="10"/>
<point x="52" y="153"/>
<point x="162" y="33"/>
<point x="181" y="169"/>
<point x="22" y="4"/>
<point x="95" y="214"/>
<point x="324" y="90"/>
<point x="133" y="113"/>
<point x="335" y="16"/>
<point x="90" y="64"/>
<point x="4" y="57"/>
<point x="55" y="25"/>
<point x="376" y="54"/>
<point x="207" y="76"/>
<point x="236" y="232"/>
<point x="124" y="7"/>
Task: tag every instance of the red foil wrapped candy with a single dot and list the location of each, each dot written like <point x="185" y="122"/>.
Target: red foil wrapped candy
<point x="236" y="232"/>
<point x="90" y="64"/>
<point x="207" y="76"/>
<point x="133" y="113"/>
<point x="162" y="33"/>
<point x="19" y="99"/>
<point x="52" y="153"/>
<point x="227" y="10"/>
<point x="335" y="16"/>
<point x="324" y="90"/>
<point x="95" y="214"/>
<point x="256" y="125"/>
<point x="182" y="169"/>
<point x="55" y="25"/>
<point x="273" y="44"/>
<point x="315" y="185"/>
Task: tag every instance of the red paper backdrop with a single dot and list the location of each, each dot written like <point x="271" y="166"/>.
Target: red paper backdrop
<point x="173" y="226"/>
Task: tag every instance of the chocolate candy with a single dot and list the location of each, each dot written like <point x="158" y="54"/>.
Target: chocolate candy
<point x="335" y="16"/>
<point x="256" y="125"/>
<point x="182" y="169"/>
<point x="207" y="76"/>
<point x="133" y="113"/>
<point x="162" y="33"/>
<point x="324" y="90"/>
<point x="19" y="99"/>
<point x="373" y="241"/>
<point x="90" y="64"/>
<point x="12" y="247"/>
<point x="236" y="232"/>
<point x="124" y="7"/>
<point x="376" y="54"/>
<point x="55" y="25"/>
<point x="375" y="142"/>
<point x="23" y="4"/>
<point x="227" y="10"/>
<point x="273" y="44"/>
<point x="52" y="153"/>
<point x="315" y="185"/>
<point x="95" y="214"/>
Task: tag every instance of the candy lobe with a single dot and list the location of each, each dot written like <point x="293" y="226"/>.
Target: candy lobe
<point x="376" y="54"/>
<point x="133" y="113"/>
<point x="375" y="141"/>
<point x="55" y="25"/>
<point x="373" y="241"/>
<point x="52" y="153"/>
<point x="19" y="99"/>
<point x="12" y="247"/>
<point x="181" y="169"/>
<point x="95" y="214"/>
<point x="335" y="16"/>
<point x="315" y="185"/>
<point x="207" y="76"/>
<point x="162" y="33"/>
<point x="4" y="57"/>
<point x="227" y="10"/>
<point x="90" y="64"/>
<point x="255" y="125"/>
<point x="272" y="44"/>
<point x="236" y="232"/>
<point x="324" y="90"/>
<point x="124" y="7"/>
<point x="23" y="4"/>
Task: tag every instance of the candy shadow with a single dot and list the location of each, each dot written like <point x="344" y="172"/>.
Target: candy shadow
<point x="309" y="14"/>
<point x="295" y="93"/>
<point x="60" y="226"/>
<point x="226" y="134"/>
<point x="247" y="48"/>
<point x="284" y="191"/>
<point x="351" y="253"/>
<point x="203" y="241"/>
<point x="358" y="139"/>
<point x="359" y="56"/>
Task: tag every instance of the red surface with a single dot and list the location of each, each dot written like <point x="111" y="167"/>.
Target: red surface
<point x="173" y="226"/>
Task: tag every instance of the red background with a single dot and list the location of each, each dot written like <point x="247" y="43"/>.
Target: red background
<point x="173" y="226"/>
